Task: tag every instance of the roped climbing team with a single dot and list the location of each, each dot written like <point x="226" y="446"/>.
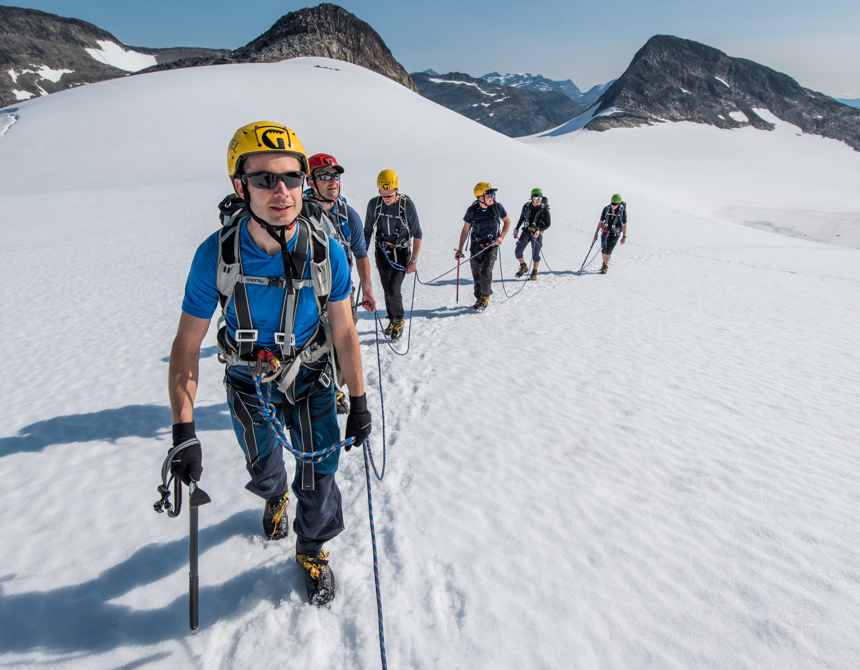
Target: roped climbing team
<point x="279" y="266"/>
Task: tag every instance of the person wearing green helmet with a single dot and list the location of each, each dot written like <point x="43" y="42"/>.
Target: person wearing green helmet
<point x="613" y="223"/>
<point x="534" y="220"/>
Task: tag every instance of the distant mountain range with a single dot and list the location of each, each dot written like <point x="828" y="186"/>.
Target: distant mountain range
<point x="43" y="53"/>
<point x="669" y="79"/>
<point x="851" y="102"/>
<point x="673" y="79"/>
<point x="543" y="85"/>
<point x="509" y="110"/>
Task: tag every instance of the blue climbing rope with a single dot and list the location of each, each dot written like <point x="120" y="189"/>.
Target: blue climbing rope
<point x="501" y="274"/>
<point x="375" y="556"/>
<point x="269" y="414"/>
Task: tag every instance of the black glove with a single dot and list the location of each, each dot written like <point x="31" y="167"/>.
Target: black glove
<point x="188" y="463"/>
<point x="358" y="421"/>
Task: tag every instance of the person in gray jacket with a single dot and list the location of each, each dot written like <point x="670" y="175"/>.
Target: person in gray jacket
<point x="398" y="242"/>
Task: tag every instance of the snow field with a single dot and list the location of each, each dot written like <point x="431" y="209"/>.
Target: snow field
<point x="651" y="469"/>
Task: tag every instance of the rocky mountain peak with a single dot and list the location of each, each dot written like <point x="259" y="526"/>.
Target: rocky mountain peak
<point x="673" y="79"/>
<point x="329" y="31"/>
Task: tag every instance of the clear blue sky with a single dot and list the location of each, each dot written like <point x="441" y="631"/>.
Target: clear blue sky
<point x="816" y="43"/>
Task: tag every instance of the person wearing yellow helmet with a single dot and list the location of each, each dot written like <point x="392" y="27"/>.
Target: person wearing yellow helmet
<point x="483" y="225"/>
<point x="279" y="320"/>
<point x="613" y="223"/>
<point x="397" y="241"/>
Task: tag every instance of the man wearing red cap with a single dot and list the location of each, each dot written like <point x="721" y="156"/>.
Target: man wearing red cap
<point x="346" y="229"/>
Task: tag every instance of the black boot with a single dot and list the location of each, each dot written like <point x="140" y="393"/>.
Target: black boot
<point x="319" y="579"/>
<point x="275" y="522"/>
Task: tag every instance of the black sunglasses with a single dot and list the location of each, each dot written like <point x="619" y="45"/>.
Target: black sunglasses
<point x="328" y="176"/>
<point x="269" y="180"/>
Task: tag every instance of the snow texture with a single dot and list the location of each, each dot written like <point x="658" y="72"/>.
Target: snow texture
<point x="740" y="117"/>
<point x="655" y="468"/>
<point x="111" y="53"/>
<point x="22" y="95"/>
<point x="722" y="82"/>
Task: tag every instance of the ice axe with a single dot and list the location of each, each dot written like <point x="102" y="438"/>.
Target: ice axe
<point x="196" y="498"/>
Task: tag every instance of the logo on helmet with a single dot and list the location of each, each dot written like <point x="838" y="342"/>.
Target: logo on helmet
<point x="277" y="143"/>
<point x="387" y="186"/>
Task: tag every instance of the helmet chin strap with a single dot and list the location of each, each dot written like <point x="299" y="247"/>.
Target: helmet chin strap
<point x="277" y="233"/>
<point x="268" y="227"/>
<point x="317" y="194"/>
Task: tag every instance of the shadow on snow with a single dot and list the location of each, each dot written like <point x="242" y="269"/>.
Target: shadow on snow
<point x="146" y="421"/>
<point x="82" y="618"/>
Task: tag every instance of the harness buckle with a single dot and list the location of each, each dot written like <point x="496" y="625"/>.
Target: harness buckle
<point x="324" y="379"/>
<point x="247" y="335"/>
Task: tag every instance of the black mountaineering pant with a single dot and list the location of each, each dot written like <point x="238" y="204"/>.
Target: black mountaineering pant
<point x="525" y="237"/>
<point x="608" y="242"/>
<point x="482" y="270"/>
<point x="318" y="512"/>
<point x="392" y="279"/>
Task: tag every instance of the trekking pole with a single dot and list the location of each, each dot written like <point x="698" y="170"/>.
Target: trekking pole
<point x="588" y="254"/>
<point x="458" y="280"/>
<point x="196" y="498"/>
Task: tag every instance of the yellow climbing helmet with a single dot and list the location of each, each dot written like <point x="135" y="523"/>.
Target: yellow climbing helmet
<point x="263" y="137"/>
<point x="387" y="181"/>
<point x="483" y="187"/>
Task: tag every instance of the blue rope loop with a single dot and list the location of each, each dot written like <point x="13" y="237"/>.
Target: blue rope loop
<point x="269" y="413"/>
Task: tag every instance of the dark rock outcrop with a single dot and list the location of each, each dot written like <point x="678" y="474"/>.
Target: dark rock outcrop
<point x="511" y="111"/>
<point x="34" y="42"/>
<point x="326" y="31"/>
<point x="672" y="79"/>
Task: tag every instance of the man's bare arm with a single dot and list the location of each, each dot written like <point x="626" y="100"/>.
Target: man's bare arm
<point x="363" y="267"/>
<point x="346" y="345"/>
<point x="184" y="366"/>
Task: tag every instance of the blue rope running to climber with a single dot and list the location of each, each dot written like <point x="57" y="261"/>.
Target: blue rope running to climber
<point x="268" y="412"/>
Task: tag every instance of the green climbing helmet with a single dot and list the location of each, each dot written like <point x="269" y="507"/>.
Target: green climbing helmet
<point x="616" y="199"/>
<point x="536" y="191"/>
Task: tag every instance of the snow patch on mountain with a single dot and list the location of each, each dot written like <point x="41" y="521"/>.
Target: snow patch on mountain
<point x="462" y="83"/>
<point x="111" y="53"/>
<point x="722" y="82"/>
<point x="22" y="95"/>
<point x="7" y="120"/>
<point x="578" y="123"/>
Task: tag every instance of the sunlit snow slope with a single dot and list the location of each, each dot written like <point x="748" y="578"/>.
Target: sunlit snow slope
<point x="656" y="468"/>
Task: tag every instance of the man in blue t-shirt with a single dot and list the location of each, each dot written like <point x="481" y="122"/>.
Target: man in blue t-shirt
<point x="274" y="323"/>
<point x="481" y="224"/>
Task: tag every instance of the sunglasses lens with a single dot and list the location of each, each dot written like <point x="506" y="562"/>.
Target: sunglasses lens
<point x="269" y="180"/>
<point x="292" y="179"/>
